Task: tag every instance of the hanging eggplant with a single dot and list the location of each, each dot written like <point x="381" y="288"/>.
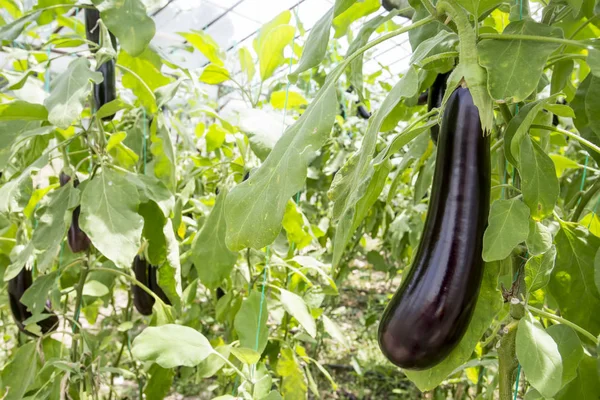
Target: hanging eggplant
<point x="362" y="112"/>
<point x="146" y="274"/>
<point x="77" y="239"/>
<point x="434" y="99"/>
<point x="431" y="310"/>
<point x="423" y="98"/>
<point x="105" y="91"/>
<point x="16" y="287"/>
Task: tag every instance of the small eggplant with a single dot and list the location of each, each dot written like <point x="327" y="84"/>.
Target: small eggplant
<point x="77" y="239"/>
<point x="146" y="274"/>
<point x="16" y="287"/>
<point x="434" y="99"/>
<point x="361" y="111"/>
<point x="430" y="312"/>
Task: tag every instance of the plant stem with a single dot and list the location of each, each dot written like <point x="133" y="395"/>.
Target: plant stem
<point x="497" y="145"/>
<point x="572" y="135"/>
<point x="564" y="322"/>
<point x="507" y="361"/>
<point x="505" y="111"/>
<point x="546" y="39"/>
<point x="430" y="8"/>
<point x="585" y="199"/>
<point x="229" y="363"/>
<point x="133" y="280"/>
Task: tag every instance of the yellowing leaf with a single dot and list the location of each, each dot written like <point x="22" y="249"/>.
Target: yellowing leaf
<point x="356" y="11"/>
<point x="270" y="54"/>
<point x="294" y="99"/>
<point x="592" y="222"/>
<point x="214" y="74"/>
<point x="215" y="137"/>
<point x="561" y="163"/>
<point x="115" y="139"/>
<point x="206" y="45"/>
<point x="281" y="19"/>
<point x="200" y="128"/>
<point x="247" y="63"/>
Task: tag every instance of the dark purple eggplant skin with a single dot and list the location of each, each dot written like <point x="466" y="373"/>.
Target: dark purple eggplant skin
<point x="106" y="91"/>
<point x="430" y="312"/>
<point x="92" y="15"/>
<point x="434" y="99"/>
<point x="16" y="287"/>
<point x="361" y="111"/>
<point x="146" y="274"/>
<point x="77" y="239"/>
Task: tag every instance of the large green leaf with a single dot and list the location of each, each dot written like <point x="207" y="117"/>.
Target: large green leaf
<point x="508" y="226"/>
<point x="22" y="110"/>
<point x="318" y="39"/>
<point x="572" y="282"/>
<point x="488" y="305"/>
<point x="109" y="216"/>
<point x="150" y="188"/>
<point x="539" y="356"/>
<point x="163" y="151"/>
<point x="586" y="103"/>
<point x="171" y="346"/>
<point x="538" y="270"/>
<point x="20" y="373"/>
<point x="293" y="386"/>
<point x="515" y="66"/>
<point x="570" y="349"/>
<point x="352" y="180"/>
<point x="254" y="209"/>
<point x="270" y="55"/>
<point x="212" y="259"/>
<point x="36" y="295"/>
<point x="297" y="308"/>
<point x="128" y="21"/>
<point x="159" y="384"/>
<point x="539" y="183"/>
<point x="539" y="239"/>
<point x="70" y="91"/>
<point x="250" y="322"/>
<point x="587" y="384"/>
<point x="205" y="44"/>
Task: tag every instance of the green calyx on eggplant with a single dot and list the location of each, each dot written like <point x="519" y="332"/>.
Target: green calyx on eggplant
<point x="16" y="287"/>
<point x="430" y="312"/>
<point x="146" y="274"/>
<point x="92" y="29"/>
<point x="434" y="99"/>
<point x="77" y="239"/>
<point x="106" y="91"/>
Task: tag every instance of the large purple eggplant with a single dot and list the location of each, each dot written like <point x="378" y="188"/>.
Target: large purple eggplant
<point x="146" y="274"/>
<point x="430" y="312"/>
<point x="16" y="287"/>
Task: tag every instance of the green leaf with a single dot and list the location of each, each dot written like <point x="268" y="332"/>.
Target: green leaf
<point x="213" y="363"/>
<point x="215" y="137"/>
<point x="357" y="10"/>
<point x="270" y="54"/>
<point x="593" y="61"/>
<point x="539" y="239"/>
<point x="205" y="44"/>
<point x="252" y="333"/>
<point x="508" y="226"/>
<point x="247" y="63"/>
<point x="159" y="384"/>
<point x="171" y="346"/>
<point x="444" y="41"/>
<point x="570" y="349"/>
<point x="20" y="373"/>
<point x="254" y="209"/>
<point x="169" y="274"/>
<point x="293" y="386"/>
<point x="69" y="92"/>
<point x="561" y="163"/>
<point x="597" y="270"/>
<point x="287" y="99"/>
<point x="112" y="108"/>
<point x="150" y="188"/>
<point x="539" y="183"/>
<point x="587" y="384"/>
<point x="293" y="224"/>
<point x="163" y="151"/>
<point x="213" y="260"/>
<point x="22" y="110"/>
<point x="12" y="30"/>
<point x="109" y="217"/>
<point x="538" y="270"/>
<point x="572" y="277"/>
<point x="36" y="295"/>
<point x="334" y="331"/>
<point x="539" y="357"/>
<point x="478" y="7"/>
<point x="245" y="355"/>
<point x="214" y="74"/>
<point x="297" y="308"/>
<point x="128" y="21"/>
<point x="489" y="303"/>
<point x="95" y="289"/>
<point x="352" y="180"/>
<point x="515" y="66"/>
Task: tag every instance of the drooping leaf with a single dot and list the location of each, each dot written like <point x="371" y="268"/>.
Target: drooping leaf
<point x="36" y="295"/>
<point x="585" y="104"/>
<point x="515" y="66"/>
<point x="171" y="346"/>
<point x="334" y="331"/>
<point x="293" y="385"/>
<point x="254" y="209"/>
<point x="70" y="91"/>
<point x="20" y="373"/>
<point x="247" y="63"/>
<point x="539" y="183"/>
<point x="586" y="385"/>
<point x="538" y="270"/>
<point x="539" y="356"/>
<point x="351" y="181"/>
<point x="297" y="308"/>
<point x="293" y="223"/>
<point x="128" y="21"/>
<point x="251" y="322"/>
<point x="214" y="74"/>
<point x="12" y="30"/>
<point x="109" y="217"/>
<point x="159" y="384"/>
<point x="212" y="259"/>
<point x="489" y="303"/>
<point x="205" y="44"/>
<point x="508" y="226"/>
<point x="570" y="349"/>
<point x="270" y="54"/>
<point x="572" y="277"/>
